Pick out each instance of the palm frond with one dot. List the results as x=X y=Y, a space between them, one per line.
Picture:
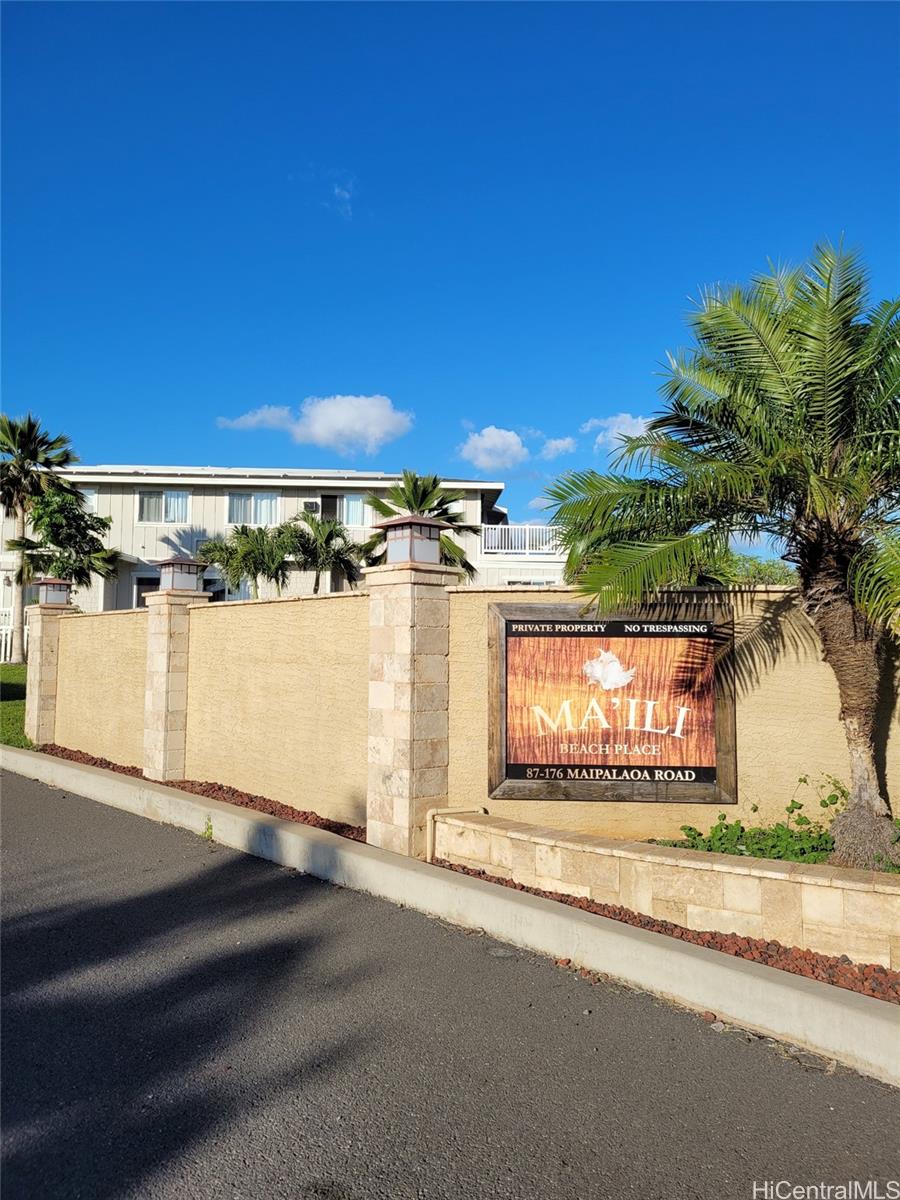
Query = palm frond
x=629 y=572
x=876 y=581
x=422 y=495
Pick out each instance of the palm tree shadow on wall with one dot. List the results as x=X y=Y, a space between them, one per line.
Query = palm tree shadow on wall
x=184 y=542
x=769 y=631
x=121 y=1020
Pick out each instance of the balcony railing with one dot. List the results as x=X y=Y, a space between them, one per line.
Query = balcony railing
x=499 y=541
x=520 y=541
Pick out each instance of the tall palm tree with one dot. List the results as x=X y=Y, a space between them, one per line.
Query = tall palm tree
x=783 y=422
x=319 y=544
x=425 y=496
x=31 y=461
x=252 y=553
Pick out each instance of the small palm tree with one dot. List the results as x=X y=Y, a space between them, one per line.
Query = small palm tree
x=783 y=422
x=222 y=552
x=252 y=553
x=318 y=544
x=425 y=496
x=29 y=468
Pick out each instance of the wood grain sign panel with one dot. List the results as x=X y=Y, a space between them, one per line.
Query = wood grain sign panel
x=621 y=709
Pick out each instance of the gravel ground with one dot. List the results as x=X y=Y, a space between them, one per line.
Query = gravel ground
x=183 y=1021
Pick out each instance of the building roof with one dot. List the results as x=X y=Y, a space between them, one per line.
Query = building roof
x=264 y=475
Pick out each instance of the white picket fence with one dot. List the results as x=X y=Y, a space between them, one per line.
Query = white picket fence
x=6 y=642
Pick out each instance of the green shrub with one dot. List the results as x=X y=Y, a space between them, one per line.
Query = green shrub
x=796 y=839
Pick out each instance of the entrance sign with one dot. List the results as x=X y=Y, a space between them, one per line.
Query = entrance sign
x=625 y=708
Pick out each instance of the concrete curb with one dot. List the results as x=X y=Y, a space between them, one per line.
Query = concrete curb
x=856 y=1030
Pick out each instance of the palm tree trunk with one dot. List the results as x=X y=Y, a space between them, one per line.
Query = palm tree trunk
x=316 y=583
x=254 y=587
x=864 y=834
x=17 y=650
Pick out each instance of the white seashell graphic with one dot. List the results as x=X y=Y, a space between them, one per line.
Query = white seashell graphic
x=606 y=670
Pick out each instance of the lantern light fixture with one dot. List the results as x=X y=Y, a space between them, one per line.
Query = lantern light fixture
x=411 y=538
x=181 y=575
x=54 y=591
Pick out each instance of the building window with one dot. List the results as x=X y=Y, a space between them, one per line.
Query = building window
x=349 y=510
x=220 y=591
x=163 y=508
x=252 y=508
x=89 y=495
x=352 y=510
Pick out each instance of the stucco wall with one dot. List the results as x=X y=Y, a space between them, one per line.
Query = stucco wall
x=101 y=683
x=787 y=721
x=278 y=700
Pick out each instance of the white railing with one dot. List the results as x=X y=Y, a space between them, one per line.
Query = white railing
x=520 y=541
x=6 y=642
x=509 y=541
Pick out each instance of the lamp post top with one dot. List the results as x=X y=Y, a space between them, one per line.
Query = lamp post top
x=412 y=519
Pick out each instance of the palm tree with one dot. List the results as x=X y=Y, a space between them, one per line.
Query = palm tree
x=425 y=496
x=782 y=422
x=29 y=468
x=252 y=553
x=319 y=544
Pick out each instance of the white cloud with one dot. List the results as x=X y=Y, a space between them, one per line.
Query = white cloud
x=494 y=449
x=553 y=447
x=269 y=416
x=346 y=424
x=540 y=503
x=342 y=198
x=612 y=428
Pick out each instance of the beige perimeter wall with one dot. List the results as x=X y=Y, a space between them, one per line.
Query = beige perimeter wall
x=787 y=721
x=101 y=683
x=278 y=700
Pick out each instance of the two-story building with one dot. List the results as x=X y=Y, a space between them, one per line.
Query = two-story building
x=163 y=512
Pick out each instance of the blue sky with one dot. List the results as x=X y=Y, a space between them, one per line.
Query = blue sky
x=452 y=237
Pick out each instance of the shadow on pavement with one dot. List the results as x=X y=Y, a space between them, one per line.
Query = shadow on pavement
x=133 y=1007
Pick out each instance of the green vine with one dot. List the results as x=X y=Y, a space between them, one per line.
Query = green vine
x=795 y=839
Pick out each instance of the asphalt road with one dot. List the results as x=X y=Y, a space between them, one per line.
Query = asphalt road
x=183 y=1021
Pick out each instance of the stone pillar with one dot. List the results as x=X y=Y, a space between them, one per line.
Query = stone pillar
x=409 y=618
x=43 y=661
x=165 y=700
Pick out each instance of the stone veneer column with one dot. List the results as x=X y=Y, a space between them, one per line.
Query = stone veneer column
x=165 y=700
x=409 y=618
x=41 y=676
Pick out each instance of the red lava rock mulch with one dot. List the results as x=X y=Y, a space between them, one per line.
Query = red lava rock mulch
x=219 y=791
x=273 y=808
x=870 y=979
x=88 y=760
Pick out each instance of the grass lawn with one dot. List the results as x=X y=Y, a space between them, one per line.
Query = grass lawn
x=12 y=706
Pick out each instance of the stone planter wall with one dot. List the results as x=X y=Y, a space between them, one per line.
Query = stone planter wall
x=820 y=908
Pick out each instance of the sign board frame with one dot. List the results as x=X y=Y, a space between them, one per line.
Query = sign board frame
x=722 y=792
